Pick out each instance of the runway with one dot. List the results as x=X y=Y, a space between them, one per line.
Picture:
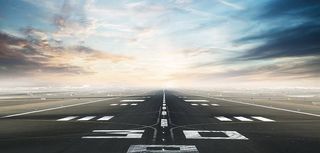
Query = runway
x=158 y=121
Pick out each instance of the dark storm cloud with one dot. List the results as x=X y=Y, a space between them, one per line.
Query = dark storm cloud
x=20 y=56
x=296 y=31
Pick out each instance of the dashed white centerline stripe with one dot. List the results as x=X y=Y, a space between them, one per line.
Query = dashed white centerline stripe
x=164 y=113
x=123 y=104
x=205 y=104
x=87 y=118
x=243 y=119
x=113 y=104
x=67 y=118
x=263 y=119
x=105 y=118
x=164 y=123
x=134 y=104
x=222 y=118
x=194 y=104
x=164 y=108
x=214 y=104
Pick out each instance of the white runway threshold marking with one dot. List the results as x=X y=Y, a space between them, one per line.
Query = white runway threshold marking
x=222 y=118
x=87 y=118
x=163 y=149
x=132 y=100
x=54 y=108
x=263 y=119
x=105 y=118
x=196 y=100
x=67 y=118
x=116 y=134
x=243 y=119
x=229 y=135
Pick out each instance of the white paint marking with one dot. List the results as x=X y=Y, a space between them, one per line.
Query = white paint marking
x=110 y=134
x=164 y=105
x=196 y=100
x=270 y=107
x=132 y=100
x=164 y=113
x=113 y=104
x=263 y=119
x=214 y=104
x=134 y=104
x=162 y=148
x=164 y=123
x=105 y=118
x=67 y=118
x=232 y=135
x=54 y=108
x=164 y=108
x=241 y=118
x=222 y=118
x=205 y=104
x=87 y=118
x=123 y=104
x=194 y=104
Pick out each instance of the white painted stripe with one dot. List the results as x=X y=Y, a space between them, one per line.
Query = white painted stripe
x=194 y=134
x=54 y=108
x=194 y=104
x=270 y=107
x=196 y=100
x=126 y=134
x=134 y=104
x=105 y=118
x=123 y=104
x=87 y=118
x=205 y=104
x=222 y=118
x=67 y=118
x=113 y=104
x=164 y=123
x=263 y=119
x=164 y=105
x=164 y=113
x=164 y=108
x=241 y=118
x=162 y=149
x=214 y=104
x=132 y=100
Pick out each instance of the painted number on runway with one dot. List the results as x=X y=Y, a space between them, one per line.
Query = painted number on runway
x=115 y=134
x=205 y=134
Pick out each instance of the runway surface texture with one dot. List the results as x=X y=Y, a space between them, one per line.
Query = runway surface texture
x=159 y=121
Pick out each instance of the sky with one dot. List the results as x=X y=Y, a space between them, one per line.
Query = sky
x=165 y=43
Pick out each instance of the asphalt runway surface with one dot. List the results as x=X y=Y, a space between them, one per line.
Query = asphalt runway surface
x=159 y=121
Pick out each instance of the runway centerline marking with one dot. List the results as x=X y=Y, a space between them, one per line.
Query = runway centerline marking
x=269 y=107
x=54 y=108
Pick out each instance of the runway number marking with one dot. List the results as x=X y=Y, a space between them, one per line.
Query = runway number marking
x=164 y=123
x=205 y=134
x=116 y=134
x=163 y=148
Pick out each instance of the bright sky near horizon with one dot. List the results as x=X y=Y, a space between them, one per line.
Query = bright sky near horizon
x=175 y=43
